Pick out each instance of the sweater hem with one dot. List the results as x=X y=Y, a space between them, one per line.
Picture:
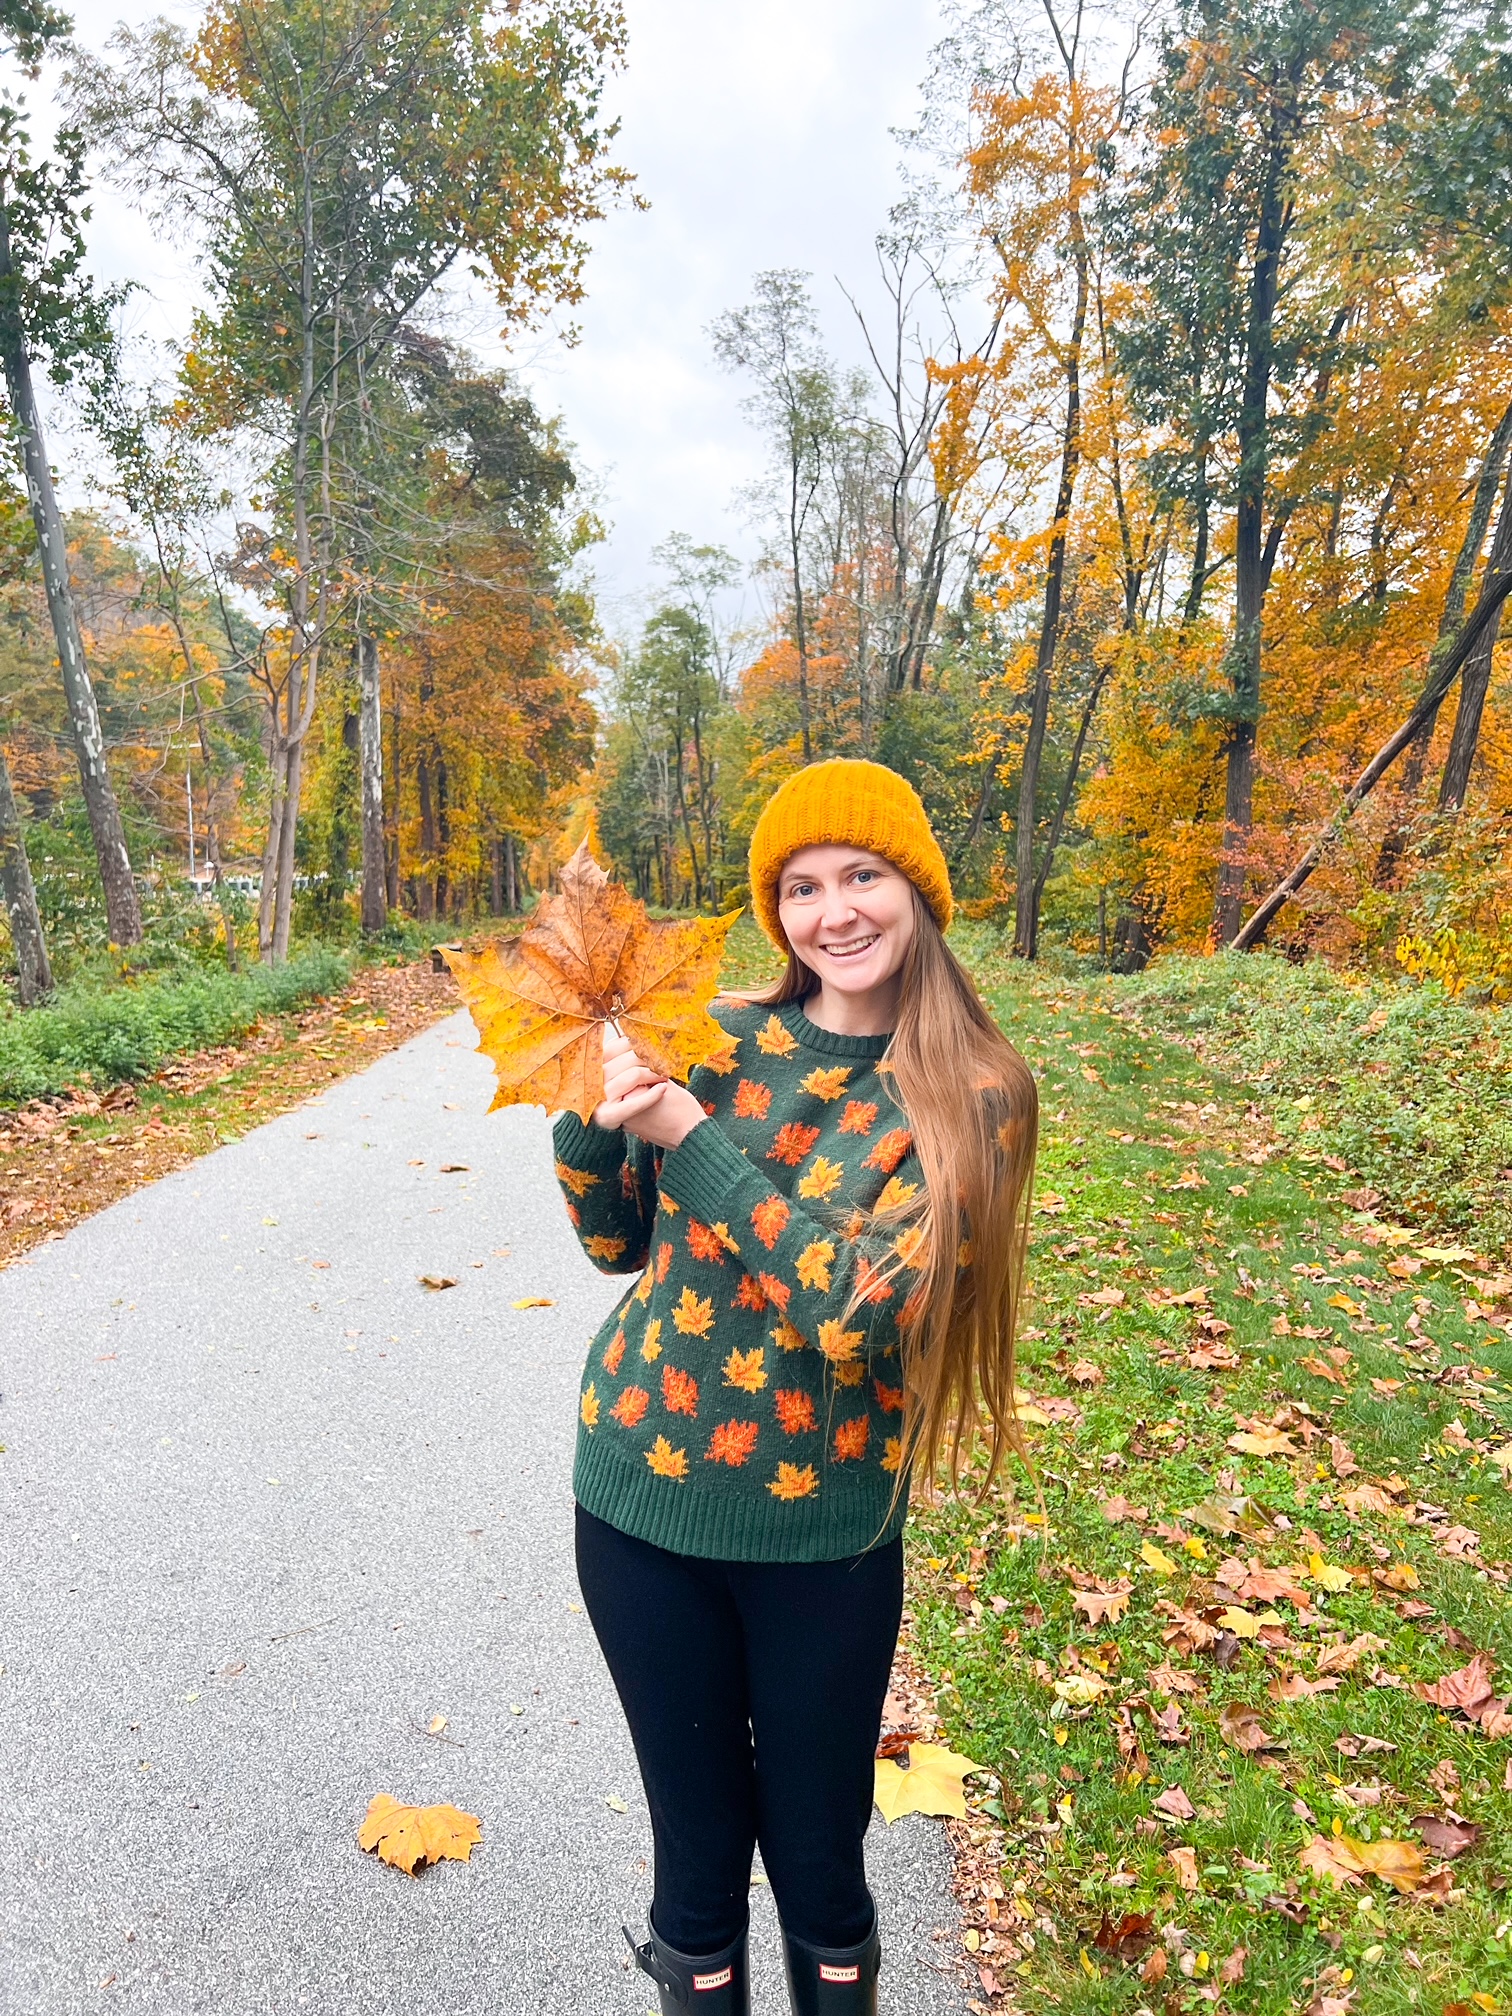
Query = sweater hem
x=744 y=1526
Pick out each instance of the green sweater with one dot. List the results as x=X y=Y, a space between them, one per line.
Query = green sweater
x=734 y=1405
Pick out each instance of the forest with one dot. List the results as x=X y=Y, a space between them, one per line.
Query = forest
x=1160 y=539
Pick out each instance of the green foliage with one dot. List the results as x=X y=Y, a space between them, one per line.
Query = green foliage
x=98 y=1037
x=1409 y=1088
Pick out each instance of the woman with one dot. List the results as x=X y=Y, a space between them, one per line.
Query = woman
x=830 y=1220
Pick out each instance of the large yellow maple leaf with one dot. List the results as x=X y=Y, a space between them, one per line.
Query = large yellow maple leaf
x=410 y=1836
x=933 y=1783
x=590 y=956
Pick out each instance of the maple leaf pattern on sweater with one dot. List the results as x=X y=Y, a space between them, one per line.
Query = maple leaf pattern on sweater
x=762 y=1278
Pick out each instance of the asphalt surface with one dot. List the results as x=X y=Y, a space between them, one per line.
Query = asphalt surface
x=268 y=1508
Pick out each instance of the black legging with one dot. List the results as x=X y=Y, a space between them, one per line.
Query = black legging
x=754 y=1696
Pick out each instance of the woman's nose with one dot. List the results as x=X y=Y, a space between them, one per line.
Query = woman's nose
x=838 y=911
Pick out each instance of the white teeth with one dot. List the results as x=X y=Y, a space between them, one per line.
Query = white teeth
x=850 y=951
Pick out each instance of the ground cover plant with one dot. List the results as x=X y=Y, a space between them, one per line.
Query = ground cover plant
x=93 y=1036
x=1231 y=1663
x=64 y=1157
x=1404 y=1085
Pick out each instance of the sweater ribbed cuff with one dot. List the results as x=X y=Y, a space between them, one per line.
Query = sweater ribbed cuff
x=705 y=1173
x=588 y=1146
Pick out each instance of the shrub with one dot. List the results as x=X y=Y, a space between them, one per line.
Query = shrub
x=100 y=1036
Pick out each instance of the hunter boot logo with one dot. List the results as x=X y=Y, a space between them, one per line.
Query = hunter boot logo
x=721 y=1979
x=827 y=1973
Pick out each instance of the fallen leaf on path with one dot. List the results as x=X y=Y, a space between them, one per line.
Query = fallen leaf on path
x=437 y=1280
x=533 y=1302
x=453 y=1168
x=408 y=1837
x=933 y=1783
x=590 y=956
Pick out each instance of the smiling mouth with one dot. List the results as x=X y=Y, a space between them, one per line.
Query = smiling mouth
x=853 y=948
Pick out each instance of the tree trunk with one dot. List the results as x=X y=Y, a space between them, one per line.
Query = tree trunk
x=122 y=910
x=1250 y=556
x=33 y=974
x=1495 y=586
x=1474 y=681
x=283 y=902
x=425 y=874
x=496 y=877
x=212 y=822
x=1027 y=890
x=374 y=881
x=391 y=841
x=269 y=884
x=1487 y=484
x=511 y=875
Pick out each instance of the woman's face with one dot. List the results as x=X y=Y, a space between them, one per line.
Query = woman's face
x=849 y=916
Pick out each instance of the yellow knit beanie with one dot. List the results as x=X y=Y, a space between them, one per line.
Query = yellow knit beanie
x=846 y=802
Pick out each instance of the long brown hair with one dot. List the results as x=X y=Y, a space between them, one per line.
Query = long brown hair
x=973 y=1109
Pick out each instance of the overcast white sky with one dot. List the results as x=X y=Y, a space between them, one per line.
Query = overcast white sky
x=759 y=131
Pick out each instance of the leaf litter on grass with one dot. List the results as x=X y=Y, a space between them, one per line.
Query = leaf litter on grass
x=1269 y=1601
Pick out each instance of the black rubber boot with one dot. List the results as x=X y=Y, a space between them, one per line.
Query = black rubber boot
x=710 y=1984
x=833 y=1980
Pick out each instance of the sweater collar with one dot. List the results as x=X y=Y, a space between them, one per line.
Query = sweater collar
x=812 y=1037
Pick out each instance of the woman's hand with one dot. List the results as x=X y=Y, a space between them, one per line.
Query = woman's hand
x=641 y=1100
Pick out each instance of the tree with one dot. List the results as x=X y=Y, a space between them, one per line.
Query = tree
x=339 y=159
x=47 y=306
x=775 y=339
x=1230 y=351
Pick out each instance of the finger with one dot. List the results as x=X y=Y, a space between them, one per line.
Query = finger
x=637 y=1103
x=629 y=1078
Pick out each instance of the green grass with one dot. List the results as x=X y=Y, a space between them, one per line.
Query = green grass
x=1161 y=1176
x=1410 y=1089
x=98 y=1036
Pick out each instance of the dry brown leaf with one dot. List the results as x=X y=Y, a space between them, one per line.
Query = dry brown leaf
x=408 y=1837
x=1100 y=1606
x=1293 y=1687
x=437 y=1280
x=1342 y=1860
x=1124 y=1938
x=1239 y=1725
x=590 y=956
x=1085 y=1373
x=1115 y=1510
x=1263 y=1442
x=1175 y=1804
x=1184 y=1862
x=1342 y=1658
x=1447 y=1837
x=1468 y=1689
x=1154 y=1969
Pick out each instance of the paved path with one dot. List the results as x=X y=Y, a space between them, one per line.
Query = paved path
x=267 y=1508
